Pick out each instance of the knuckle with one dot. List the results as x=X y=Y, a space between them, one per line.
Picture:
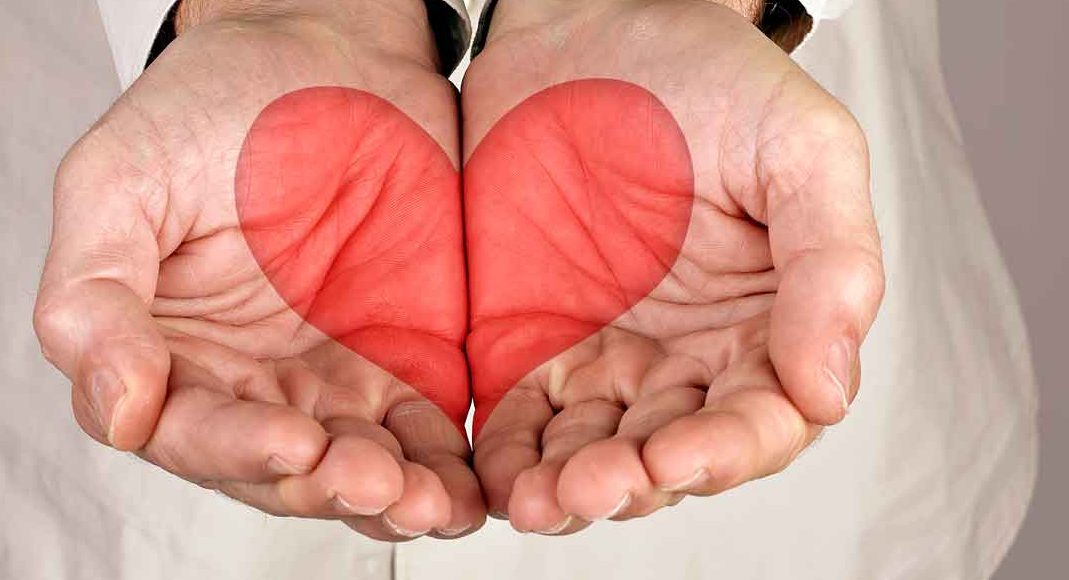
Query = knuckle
x=827 y=142
x=77 y=163
x=830 y=135
x=51 y=321
x=280 y=425
x=115 y=155
x=868 y=278
x=873 y=267
x=834 y=123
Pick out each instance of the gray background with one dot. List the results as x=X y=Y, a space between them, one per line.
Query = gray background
x=1009 y=81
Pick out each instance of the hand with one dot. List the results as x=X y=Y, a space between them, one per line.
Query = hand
x=729 y=367
x=172 y=314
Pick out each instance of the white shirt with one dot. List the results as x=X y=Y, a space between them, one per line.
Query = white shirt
x=928 y=478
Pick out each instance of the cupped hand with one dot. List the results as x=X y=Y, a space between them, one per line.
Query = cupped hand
x=652 y=351
x=273 y=166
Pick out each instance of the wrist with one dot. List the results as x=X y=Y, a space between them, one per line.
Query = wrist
x=749 y=9
x=501 y=16
x=398 y=27
x=192 y=13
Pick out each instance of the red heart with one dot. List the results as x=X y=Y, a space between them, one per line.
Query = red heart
x=576 y=204
x=353 y=213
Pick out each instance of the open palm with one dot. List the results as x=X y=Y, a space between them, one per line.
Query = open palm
x=206 y=263
x=725 y=371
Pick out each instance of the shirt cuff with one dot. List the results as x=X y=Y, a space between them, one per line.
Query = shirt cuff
x=826 y=9
x=452 y=31
x=789 y=23
x=823 y=10
x=131 y=28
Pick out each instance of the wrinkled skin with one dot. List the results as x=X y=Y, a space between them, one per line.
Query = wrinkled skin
x=150 y=284
x=723 y=373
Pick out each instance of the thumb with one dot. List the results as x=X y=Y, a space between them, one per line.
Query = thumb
x=92 y=315
x=825 y=244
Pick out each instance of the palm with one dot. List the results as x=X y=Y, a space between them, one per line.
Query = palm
x=275 y=398
x=685 y=372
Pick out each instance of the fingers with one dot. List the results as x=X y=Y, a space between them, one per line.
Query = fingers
x=428 y=438
x=424 y=504
x=351 y=396
x=362 y=480
x=224 y=419
x=824 y=241
x=203 y=435
x=92 y=314
x=748 y=429
x=277 y=436
x=533 y=505
x=510 y=442
x=355 y=477
x=393 y=481
x=607 y=479
x=358 y=475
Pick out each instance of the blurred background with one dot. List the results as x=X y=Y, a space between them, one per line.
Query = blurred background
x=1007 y=75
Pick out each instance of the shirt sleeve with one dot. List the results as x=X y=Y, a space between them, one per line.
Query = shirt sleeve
x=820 y=10
x=131 y=28
x=826 y=9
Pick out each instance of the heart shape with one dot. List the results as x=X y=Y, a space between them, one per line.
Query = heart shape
x=576 y=204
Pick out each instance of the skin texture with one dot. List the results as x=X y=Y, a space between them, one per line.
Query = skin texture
x=578 y=201
x=727 y=370
x=178 y=303
x=353 y=213
x=182 y=346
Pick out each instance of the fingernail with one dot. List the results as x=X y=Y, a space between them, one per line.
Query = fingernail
x=399 y=530
x=620 y=506
x=106 y=394
x=499 y=515
x=837 y=366
x=452 y=532
x=342 y=506
x=698 y=475
x=560 y=527
x=279 y=466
